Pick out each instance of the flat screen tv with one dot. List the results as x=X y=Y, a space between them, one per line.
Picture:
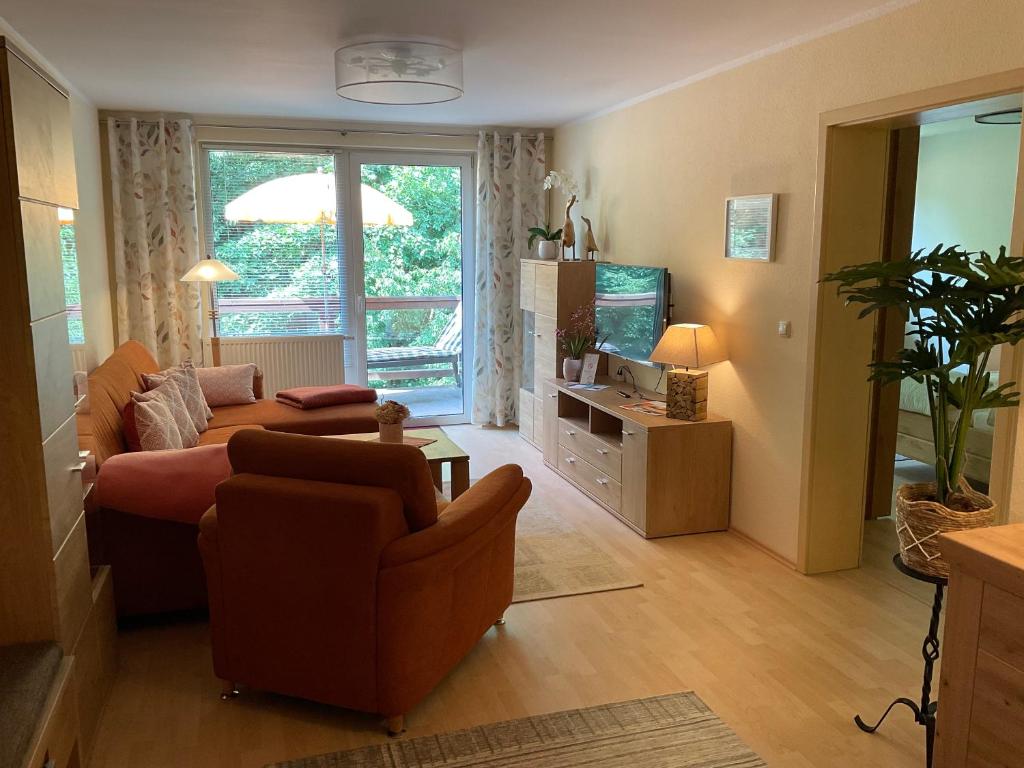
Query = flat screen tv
x=632 y=306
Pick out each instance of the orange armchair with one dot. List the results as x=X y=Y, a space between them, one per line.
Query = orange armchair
x=331 y=576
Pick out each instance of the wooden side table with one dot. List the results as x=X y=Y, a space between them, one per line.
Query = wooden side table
x=440 y=452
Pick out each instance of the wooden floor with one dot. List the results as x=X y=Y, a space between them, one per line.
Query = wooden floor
x=786 y=660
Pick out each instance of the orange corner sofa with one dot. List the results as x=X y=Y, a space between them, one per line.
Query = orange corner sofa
x=334 y=577
x=145 y=520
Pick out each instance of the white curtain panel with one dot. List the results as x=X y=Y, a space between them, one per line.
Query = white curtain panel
x=156 y=239
x=510 y=199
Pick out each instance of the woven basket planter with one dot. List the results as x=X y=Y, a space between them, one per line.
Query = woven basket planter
x=920 y=520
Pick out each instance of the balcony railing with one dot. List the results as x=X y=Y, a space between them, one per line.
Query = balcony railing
x=332 y=304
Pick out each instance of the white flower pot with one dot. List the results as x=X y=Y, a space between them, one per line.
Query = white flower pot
x=548 y=250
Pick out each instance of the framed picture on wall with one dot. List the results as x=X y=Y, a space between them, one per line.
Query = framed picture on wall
x=750 y=227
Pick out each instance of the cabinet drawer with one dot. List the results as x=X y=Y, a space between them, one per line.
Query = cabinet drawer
x=63 y=482
x=53 y=373
x=526 y=414
x=545 y=349
x=997 y=713
x=73 y=585
x=527 y=279
x=1000 y=632
x=42 y=137
x=595 y=451
x=545 y=289
x=41 y=230
x=590 y=478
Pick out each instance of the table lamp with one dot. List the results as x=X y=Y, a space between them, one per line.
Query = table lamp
x=211 y=271
x=688 y=345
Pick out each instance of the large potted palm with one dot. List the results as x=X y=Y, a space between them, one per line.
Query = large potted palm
x=959 y=306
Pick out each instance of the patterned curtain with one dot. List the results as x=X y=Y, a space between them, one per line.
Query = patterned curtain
x=509 y=200
x=156 y=236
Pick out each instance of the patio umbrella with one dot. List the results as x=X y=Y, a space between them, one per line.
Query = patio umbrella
x=310 y=198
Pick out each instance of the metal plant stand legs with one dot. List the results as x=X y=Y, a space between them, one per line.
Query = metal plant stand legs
x=924 y=713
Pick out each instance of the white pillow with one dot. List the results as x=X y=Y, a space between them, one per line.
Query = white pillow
x=228 y=384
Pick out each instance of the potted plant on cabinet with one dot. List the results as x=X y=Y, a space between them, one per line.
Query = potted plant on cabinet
x=959 y=305
x=548 y=250
x=577 y=339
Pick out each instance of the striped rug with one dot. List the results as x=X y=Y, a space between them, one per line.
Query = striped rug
x=674 y=731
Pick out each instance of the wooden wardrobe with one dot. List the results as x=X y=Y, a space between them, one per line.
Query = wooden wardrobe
x=48 y=593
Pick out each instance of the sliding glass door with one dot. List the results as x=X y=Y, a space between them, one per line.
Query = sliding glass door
x=411 y=268
x=376 y=247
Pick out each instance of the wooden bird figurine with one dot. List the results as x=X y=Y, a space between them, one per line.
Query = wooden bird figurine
x=589 y=242
x=568 y=230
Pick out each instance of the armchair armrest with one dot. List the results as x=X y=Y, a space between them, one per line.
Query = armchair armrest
x=165 y=485
x=504 y=490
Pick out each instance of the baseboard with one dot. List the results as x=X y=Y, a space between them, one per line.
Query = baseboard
x=758 y=545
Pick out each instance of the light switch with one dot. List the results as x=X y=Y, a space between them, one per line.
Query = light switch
x=784 y=329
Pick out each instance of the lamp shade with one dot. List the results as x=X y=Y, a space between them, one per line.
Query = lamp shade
x=209 y=270
x=690 y=345
x=398 y=72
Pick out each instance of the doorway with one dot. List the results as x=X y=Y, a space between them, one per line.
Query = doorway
x=412 y=273
x=858 y=194
x=954 y=183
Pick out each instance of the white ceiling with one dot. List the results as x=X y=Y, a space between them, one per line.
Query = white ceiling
x=527 y=62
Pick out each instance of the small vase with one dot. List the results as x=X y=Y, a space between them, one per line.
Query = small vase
x=391 y=433
x=548 y=250
x=571 y=369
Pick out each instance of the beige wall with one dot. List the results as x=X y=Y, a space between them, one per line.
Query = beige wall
x=90 y=232
x=656 y=175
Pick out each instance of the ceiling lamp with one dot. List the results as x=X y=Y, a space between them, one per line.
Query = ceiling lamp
x=1004 y=117
x=402 y=72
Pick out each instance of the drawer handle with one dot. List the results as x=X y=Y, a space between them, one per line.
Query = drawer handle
x=538 y=335
x=570 y=461
x=602 y=451
x=627 y=433
x=555 y=395
x=602 y=481
x=79 y=467
x=570 y=433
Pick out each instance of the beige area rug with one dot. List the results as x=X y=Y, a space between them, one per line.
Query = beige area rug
x=556 y=559
x=674 y=731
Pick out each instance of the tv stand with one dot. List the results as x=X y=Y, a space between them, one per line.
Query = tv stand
x=659 y=476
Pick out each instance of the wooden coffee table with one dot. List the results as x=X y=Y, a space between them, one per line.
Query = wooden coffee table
x=443 y=451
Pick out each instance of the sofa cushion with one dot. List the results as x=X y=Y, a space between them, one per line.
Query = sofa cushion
x=228 y=384
x=110 y=388
x=170 y=395
x=187 y=380
x=150 y=426
x=333 y=420
x=165 y=485
x=221 y=435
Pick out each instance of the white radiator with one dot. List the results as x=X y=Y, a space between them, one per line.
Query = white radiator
x=287 y=361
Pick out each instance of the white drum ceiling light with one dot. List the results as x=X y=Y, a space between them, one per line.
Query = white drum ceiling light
x=398 y=72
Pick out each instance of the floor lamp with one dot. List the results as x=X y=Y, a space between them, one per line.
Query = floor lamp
x=211 y=271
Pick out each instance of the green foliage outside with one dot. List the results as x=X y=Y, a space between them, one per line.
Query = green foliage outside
x=286 y=260
x=72 y=291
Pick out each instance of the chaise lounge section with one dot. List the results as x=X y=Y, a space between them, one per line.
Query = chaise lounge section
x=146 y=518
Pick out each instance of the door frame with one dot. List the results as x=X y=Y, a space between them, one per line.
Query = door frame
x=852 y=188
x=354 y=254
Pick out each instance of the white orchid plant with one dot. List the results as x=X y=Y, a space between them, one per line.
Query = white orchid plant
x=563 y=180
